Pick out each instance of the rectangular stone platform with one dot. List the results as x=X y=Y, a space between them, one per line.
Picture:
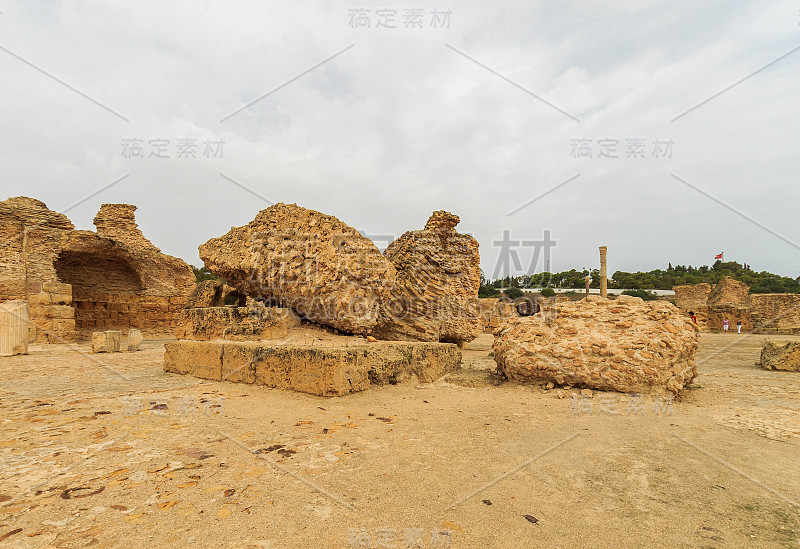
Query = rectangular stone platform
x=317 y=370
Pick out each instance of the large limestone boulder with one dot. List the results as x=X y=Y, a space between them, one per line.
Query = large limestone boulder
x=777 y=355
x=290 y=256
x=625 y=345
x=435 y=297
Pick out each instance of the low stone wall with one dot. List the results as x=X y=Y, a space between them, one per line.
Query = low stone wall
x=776 y=313
x=764 y=313
x=323 y=371
x=52 y=313
x=103 y=311
x=236 y=323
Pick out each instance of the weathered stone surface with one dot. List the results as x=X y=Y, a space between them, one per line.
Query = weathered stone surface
x=207 y=293
x=692 y=297
x=395 y=362
x=236 y=323
x=303 y=259
x=625 y=345
x=784 y=356
x=775 y=313
x=494 y=312
x=106 y=342
x=317 y=370
x=112 y=278
x=435 y=296
x=134 y=339
x=14 y=327
x=729 y=292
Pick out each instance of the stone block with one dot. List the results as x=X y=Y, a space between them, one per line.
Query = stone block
x=57 y=288
x=14 y=331
x=239 y=362
x=236 y=323
x=61 y=299
x=60 y=311
x=201 y=359
x=106 y=342
x=134 y=339
x=39 y=299
x=324 y=371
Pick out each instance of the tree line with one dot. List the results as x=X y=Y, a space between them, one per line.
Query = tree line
x=760 y=282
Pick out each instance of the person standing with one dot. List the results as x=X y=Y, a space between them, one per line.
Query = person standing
x=725 y=324
x=739 y=325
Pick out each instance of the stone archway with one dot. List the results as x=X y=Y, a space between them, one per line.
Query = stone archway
x=104 y=289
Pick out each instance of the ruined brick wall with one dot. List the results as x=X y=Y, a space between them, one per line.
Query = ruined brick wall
x=729 y=292
x=765 y=313
x=79 y=281
x=776 y=313
x=29 y=237
x=692 y=297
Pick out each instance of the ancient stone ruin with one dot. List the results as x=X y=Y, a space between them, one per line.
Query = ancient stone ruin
x=291 y=263
x=785 y=356
x=313 y=263
x=423 y=288
x=434 y=297
x=333 y=370
x=78 y=282
x=625 y=345
x=731 y=299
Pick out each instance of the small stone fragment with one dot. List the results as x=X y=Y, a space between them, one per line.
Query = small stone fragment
x=134 y=339
x=106 y=342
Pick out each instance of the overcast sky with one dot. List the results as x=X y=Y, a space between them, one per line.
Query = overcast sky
x=613 y=107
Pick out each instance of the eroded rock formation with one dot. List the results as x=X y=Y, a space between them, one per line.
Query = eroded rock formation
x=290 y=256
x=78 y=282
x=776 y=355
x=435 y=296
x=625 y=345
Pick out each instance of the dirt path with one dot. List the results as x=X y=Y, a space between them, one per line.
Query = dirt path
x=107 y=450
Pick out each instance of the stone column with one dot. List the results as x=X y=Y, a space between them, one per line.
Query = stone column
x=603 y=273
x=14 y=321
x=588 y=281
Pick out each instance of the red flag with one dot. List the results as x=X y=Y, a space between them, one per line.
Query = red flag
x=718 y=256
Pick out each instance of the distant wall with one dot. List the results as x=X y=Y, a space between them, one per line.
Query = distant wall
x=763 y=313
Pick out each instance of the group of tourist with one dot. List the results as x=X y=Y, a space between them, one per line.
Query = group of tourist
x=725 y=323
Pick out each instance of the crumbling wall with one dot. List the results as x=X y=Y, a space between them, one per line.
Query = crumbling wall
x=692 y=297
x=764 y=313
x=80 y=281
x=776 y=313
x=729 y=292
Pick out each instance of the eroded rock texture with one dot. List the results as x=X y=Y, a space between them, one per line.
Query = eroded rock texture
x=290 y=256
x=776 y=355
x=625 y=345
x=435 y=296
x=78 y=282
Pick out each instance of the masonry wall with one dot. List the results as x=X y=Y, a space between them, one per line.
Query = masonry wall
x=77 y=282
x=776 y=313
x=764 y=313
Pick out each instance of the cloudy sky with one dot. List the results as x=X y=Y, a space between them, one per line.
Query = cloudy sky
x=666 y=131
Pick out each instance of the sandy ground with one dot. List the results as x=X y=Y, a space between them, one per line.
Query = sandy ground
x=108 y=450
